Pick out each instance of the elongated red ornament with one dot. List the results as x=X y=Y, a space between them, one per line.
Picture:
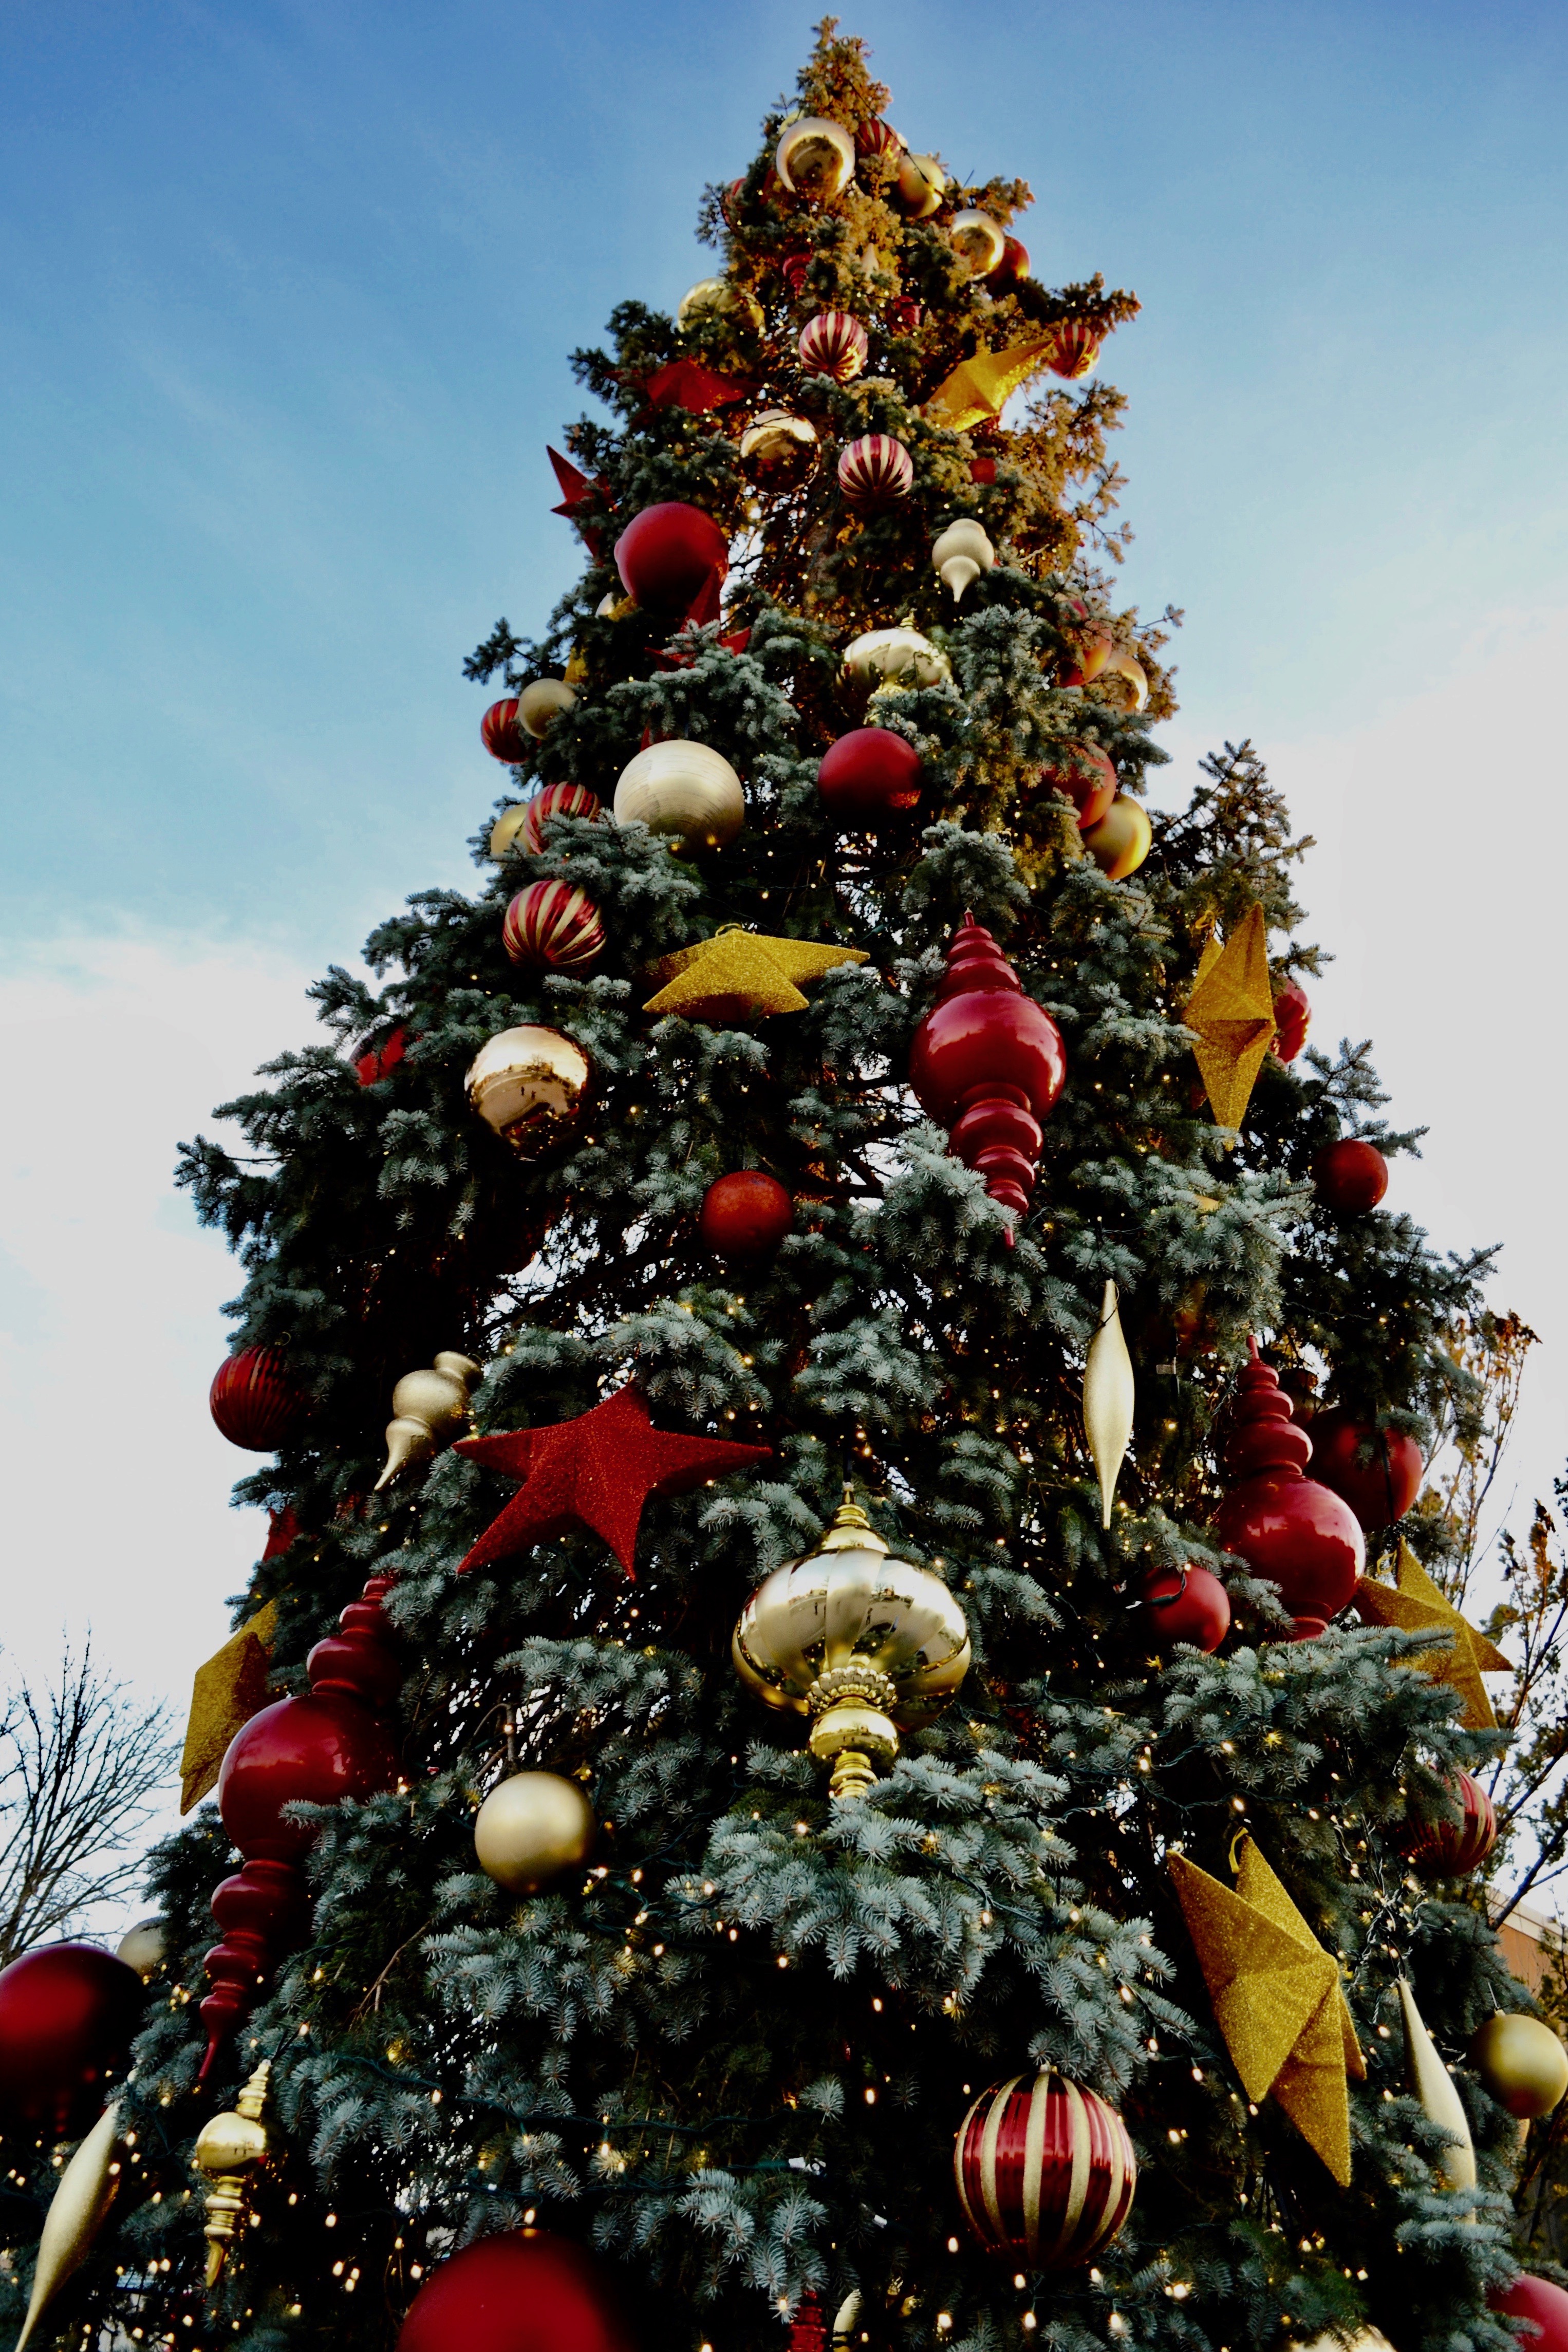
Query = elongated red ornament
x=1046 y=2171
x=1289 y=1530
x=554 y=927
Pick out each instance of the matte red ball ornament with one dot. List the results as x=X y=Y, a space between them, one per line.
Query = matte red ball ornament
x=1046 y=2171
x=1290 y=1530
x=746 y=1214
x=555 y=800
x=253 y=1401
x=1461 y=1840
x=1292 y=1019
x=875 y=471
x=524 y=2291
x=1378 y=1471
x=503 y=731
x=1351 y=1176
x=1540 y=2300
x=66 y=2015
x=1086 y=776
x=672 y=559
x=833 y=343
x=1186 y=1604
x=320 y=1749
x=868 y=775
x=554 y=927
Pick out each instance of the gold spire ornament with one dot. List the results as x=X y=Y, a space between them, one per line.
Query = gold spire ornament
x=980 y=388
x=1232 y=1010
x=737 y=974
x=428 y=1409
x=960 y=554
x=1417 y=1606
x=229 y=2148
x=1432 y=2084
x=1276 y=2000
x=78 y=2211
x=228 y=1691
x=1108 y=1399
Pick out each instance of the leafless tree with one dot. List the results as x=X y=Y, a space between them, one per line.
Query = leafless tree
x=79 y=1763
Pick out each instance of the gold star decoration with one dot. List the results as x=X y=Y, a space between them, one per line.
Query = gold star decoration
x=1417 y=1606
x=1232 y=1009
x=980 y=388
x=228 y=1691
x=737 y=974
x=1276 y=2000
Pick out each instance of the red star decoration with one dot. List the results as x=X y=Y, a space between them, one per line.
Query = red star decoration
x=595 y=1471
x=687 y=383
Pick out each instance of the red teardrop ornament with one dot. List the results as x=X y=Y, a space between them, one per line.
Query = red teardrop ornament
x=1291 y=1531
x=989 y=1063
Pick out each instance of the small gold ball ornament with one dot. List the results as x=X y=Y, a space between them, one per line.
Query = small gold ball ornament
x=540 y=701
x=779 y=449
x=919 y=185
x=718 y=298
x=979 y=239
x=531 y=1828
x=686 y=790
x=816 y=159
x=893 y=658
x=528 y=1084
x=506 y=828
x=1521 y=2063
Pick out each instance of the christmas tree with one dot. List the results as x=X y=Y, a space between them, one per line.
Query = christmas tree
x=839 y=1129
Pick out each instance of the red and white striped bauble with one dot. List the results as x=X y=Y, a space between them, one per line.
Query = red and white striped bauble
x=833 y=343
x=253 y=1401
x=1044 y=2170
x=503 y=733
x=554 y=927
x=1077 y=348
x=1450 y=1848
x=875 y=471
x=878 y=138
x=555 y=800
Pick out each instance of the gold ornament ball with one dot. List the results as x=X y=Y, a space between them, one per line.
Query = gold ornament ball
x=893 y=658
x=979 y=239
x=685 y=790
x=717 y=298
x=1521 y=2063
x=921 y=186
x=778 y=449
x=816 y=159
x=541 y=702
x=143 y=1947
x=528 y=1084
x=506 y=828
x=1120 y=842
x=532 y=1827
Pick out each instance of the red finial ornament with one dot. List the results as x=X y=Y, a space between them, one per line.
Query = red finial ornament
x=989 y=1063
x=1291 y=1531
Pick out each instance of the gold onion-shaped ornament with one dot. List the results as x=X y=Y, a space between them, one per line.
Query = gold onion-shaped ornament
x=718 y=298
x=230 y=2148
x=428 y=1408
x=78 y=2211
x=1109 y=1396
x=892 y=657
x=1432 y=2085
x=961 y=554
x=864 y=1642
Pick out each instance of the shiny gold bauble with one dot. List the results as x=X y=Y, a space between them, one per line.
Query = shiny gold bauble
x=532 y=1827
x=981 y=240
x=528 y=1084
x=718 y=298
x=143 y=1947
x=544 y=700
x=868 y=1644
x=686 y=790
x=919 y=185
x=1521 y=2063
x=506 y=828
x=428 y=1408
x=816 y=159
x=230 y=2143
x=1120 y=842
x=893 y=658
x=778 y=449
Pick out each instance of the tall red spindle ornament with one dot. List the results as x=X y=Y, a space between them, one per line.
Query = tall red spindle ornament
x=1288 y=1529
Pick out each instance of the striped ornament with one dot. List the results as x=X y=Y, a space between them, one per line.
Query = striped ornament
x=554 y=927
x=555 y=800
x=833 y=343
x=875 y=471
x=1077 y=348
x=1044 y=2170
x=503 y=733
x=1452 y=1849
x=878 y=138
x=253 y=1401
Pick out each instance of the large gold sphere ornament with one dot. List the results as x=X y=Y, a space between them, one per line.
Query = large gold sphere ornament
x=718 y=298
x=528 y=1084
x=143 y=1947
x=816 y=159
x=544 y=700
x=893 y=658
x=686 y=790
x=919 y=185
x=779 y=449
x=866 y=1643
x=507 y=827
x=1521 y=2063
x=981 y=240
x=532 y=1827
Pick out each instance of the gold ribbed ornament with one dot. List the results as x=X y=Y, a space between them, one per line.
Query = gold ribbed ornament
x=1107 y=1400
x=78 y=2211
x=231 y=2149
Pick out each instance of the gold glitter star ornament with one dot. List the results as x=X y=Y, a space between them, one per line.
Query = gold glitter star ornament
x=737 y=974
x=228 y=1691
x=1415 y=1606
x=1232 y=1010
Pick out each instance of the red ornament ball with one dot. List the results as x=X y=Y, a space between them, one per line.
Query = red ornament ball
x=523 y=2292
x=868 y=775
x=745 y=1215
x=1014 y=265
x=673 y=558
x=1378 y=1471
x=503 y=731
x=1085 y=775
x=983 y=1034
x=1045 y=2172
x=1461 y=1840
x=1186 y=1604
x=1290 y=1530
x=875 y=471
x=878 y=138
x=1351 y=1176
x=1540 y=2300
x=554 y=927
x=66 y=2015
x=318 y=1748
x=253 y=1401
x=833 y=343
x=1292 y=1019
x=381 y=1060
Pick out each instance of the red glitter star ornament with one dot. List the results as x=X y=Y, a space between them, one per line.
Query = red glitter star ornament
x=595 y=1471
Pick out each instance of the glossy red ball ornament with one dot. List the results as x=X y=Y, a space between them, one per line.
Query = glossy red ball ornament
x=1378 y=1471
x=833 y=343
x=524 y=2291
x=1014 y=265
x=1292 y=1019
x=318 y=1748
x=1291 y=1531
x=253 y=1401
x=66 y=2015
x=1460 y=1841
x=875 y=471
x=673 y=558
x=1186 y=1604
x=1085 y=775
x=502 y=732
x=1044 y=2170
x=1351 y=1176
x=988 y=1063
x=745 y=1215
x=868 y=775
x=554 y=927
x=1536 y=2299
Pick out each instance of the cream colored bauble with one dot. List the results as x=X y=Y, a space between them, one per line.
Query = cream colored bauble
x=816 y=159
x=919 y=186
x=506 y=828
x=540 y=701
x=1521 y=2063
x=142 y=1947
x=688 y=791
x=962 y=553
x=718 y=298
x=532 y=1827
x=893 y=658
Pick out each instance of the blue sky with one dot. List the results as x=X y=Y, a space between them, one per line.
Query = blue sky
x=286 y=296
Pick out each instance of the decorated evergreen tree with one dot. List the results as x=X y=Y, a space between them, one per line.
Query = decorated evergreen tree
x=839 y=1129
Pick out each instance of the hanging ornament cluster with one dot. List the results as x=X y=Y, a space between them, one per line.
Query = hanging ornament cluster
x=428 y=1409
x=816 y=159
x=687 y=791
x=1430 y=2082
x=1377 y=1471
x=835 y=344
x=532 y=1828
x=523 y=2291
x=1108 y=1395
x=867 y=775
x=1462 y=1836
x=231 y=2149
x=673 y=560
x=528 y=1084
x=1045 y=2171
x=738 y=976
x=67 y=2012
x=1291 y=1531
x=892 y=657
x=961 y=554
x=864 y=1642
x=554 y=927
x=255 y=1400
x=229 y=1689
x=1231 y=1008
x=779 y=449
x=1351 y=1176
x=988 y=1063
x=1415 y=1605
x=523 y=825
x=745 y=1216
x=875 y=471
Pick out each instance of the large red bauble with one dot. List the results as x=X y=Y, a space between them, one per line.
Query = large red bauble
x=672 y=557
x=1538 y=2299
x=745 y=1215
x=1454 y=1846
x=1085 y=775
x=66 y=2015
x=253 y=1401
x=868 y=775
x=1290 y=1530
x=1186 y=1604
x=524 y=2292
x=1378 y=1471
x=1044 y=2170
x=318 y=1748
x=1351 y=1176
x=1292 y=1019
x=502 y=732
